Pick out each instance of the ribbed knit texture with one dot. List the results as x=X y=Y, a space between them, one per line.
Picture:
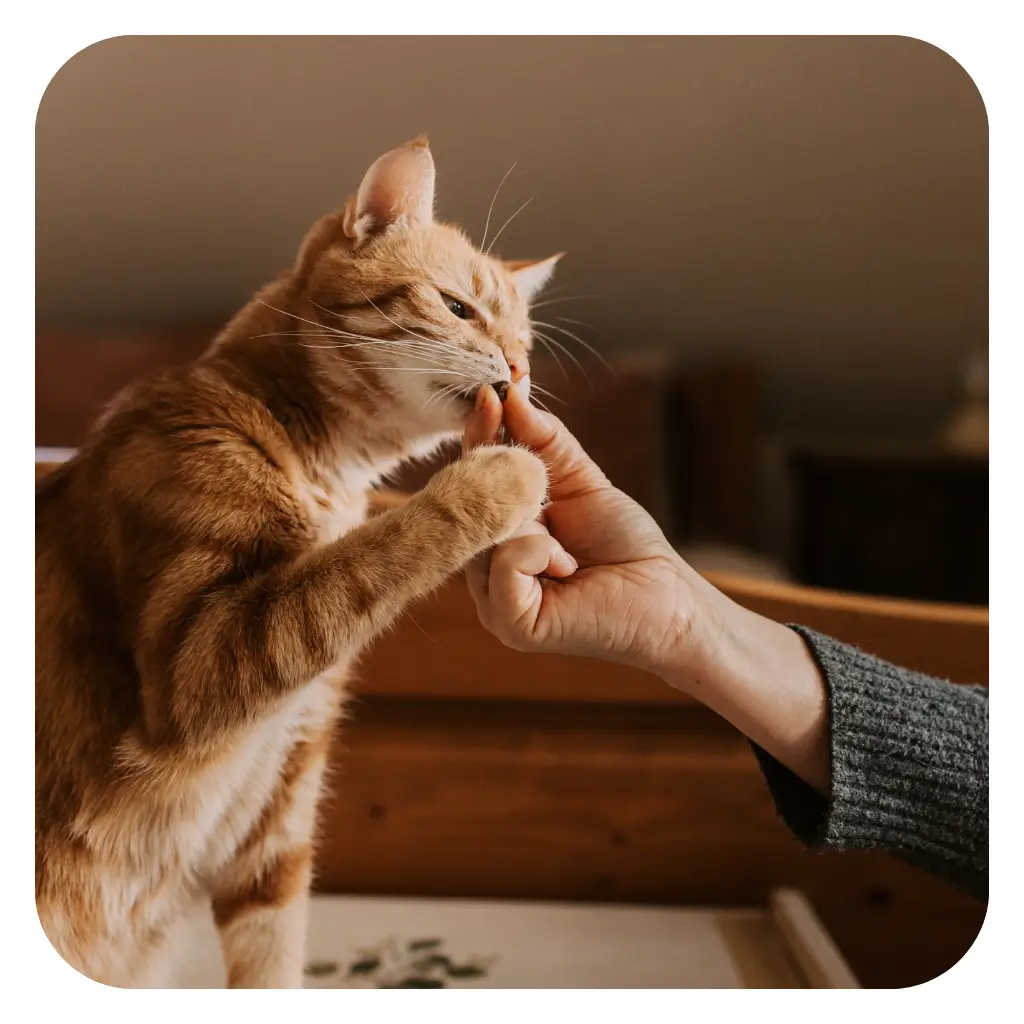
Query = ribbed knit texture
x=909 y=773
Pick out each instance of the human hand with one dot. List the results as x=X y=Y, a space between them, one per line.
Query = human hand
x=594 y=576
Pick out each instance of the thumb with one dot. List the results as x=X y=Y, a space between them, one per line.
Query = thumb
x=514 y=592
x=571 y=470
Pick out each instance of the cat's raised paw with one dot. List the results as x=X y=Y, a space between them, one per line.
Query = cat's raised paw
x=501 y=487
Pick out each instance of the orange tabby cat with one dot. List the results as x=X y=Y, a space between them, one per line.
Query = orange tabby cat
x=206 y=575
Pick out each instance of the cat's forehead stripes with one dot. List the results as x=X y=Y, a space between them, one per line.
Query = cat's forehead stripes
x=490 y=291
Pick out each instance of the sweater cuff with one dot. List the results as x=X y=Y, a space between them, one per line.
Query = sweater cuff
x=909 y=765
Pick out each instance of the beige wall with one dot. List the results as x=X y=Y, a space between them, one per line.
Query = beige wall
x=816 y=204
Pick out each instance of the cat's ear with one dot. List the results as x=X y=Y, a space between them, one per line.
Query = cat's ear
x=531 y=276
x=398 y=189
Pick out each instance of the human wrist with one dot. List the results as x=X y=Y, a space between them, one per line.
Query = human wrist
x=691 y=657
x=678 y=627
x=760 y=676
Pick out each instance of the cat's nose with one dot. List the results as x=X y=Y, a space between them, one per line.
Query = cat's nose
x=519 y=367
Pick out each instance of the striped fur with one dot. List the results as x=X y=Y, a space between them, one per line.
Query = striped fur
x=207 y=575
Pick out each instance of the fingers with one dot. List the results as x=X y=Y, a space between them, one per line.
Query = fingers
x=484 y=422
x=560 y=563
x=513 y=590
x=570 y=470
x=531 y=551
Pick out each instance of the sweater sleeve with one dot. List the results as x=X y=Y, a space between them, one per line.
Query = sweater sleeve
x=909 y=767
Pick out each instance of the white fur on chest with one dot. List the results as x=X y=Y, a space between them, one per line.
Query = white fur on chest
x=335 y=497
x=333 y=505
x=233 y=795
x=169 y=833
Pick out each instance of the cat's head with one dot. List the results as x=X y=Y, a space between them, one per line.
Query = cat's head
x=410 y=304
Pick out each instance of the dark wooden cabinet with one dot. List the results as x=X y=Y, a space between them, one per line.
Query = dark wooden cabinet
x=905 y=523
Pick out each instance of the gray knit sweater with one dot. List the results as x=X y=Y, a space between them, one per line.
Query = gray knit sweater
x=909 y=758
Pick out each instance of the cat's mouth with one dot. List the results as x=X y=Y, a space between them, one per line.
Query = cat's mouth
x=469 y=394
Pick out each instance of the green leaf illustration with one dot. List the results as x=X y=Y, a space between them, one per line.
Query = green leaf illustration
x=367 y=966
x=320 y=968
x=425 y=963
x=465 y=971
x=418 y=945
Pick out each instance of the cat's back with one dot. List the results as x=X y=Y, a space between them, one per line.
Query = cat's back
x=175 y=464
x=87 y=693
x=178 y=459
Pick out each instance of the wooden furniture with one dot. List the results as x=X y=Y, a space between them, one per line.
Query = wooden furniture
x=374 y=942
x=78 y=372
x=712 y=431
x=470 y=770
x=911 y=522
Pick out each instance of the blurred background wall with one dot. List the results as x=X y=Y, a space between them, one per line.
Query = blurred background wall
x=814 y=205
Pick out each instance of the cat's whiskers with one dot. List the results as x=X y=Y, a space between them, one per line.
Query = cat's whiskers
x=554 y=354
x=564 y=348
x=490 y=209
x=335 y=332
x=305 y=320
x=419 y=337
x=419 y=342
x=396 y=323
x=581 y=323
x=421 y=345
x=404 y=343
x=590 y=348
x=444 y=392
x=487 y=251
x=416 y=345
x=413 y=348
x=413 y=369
x=564 y=298
x=544 y=391
x=358 y=340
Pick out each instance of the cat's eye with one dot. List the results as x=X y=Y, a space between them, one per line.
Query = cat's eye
x=460 y=309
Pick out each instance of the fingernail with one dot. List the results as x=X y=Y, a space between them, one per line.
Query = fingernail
x=481 y=397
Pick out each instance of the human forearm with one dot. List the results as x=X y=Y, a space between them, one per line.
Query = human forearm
x=857 y=753
x=757 y=674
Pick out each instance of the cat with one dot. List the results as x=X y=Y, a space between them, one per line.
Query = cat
x=207 y=573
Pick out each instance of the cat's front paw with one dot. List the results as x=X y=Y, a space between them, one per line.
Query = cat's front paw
x=496 y=487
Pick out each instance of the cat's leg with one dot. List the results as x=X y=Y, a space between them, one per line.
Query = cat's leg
x=261 y=899
x=247 y=644
x=264 y=941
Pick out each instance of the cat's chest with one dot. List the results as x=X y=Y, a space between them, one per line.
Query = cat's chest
x=333 y=503
x=235 y=796
x=171 y=832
